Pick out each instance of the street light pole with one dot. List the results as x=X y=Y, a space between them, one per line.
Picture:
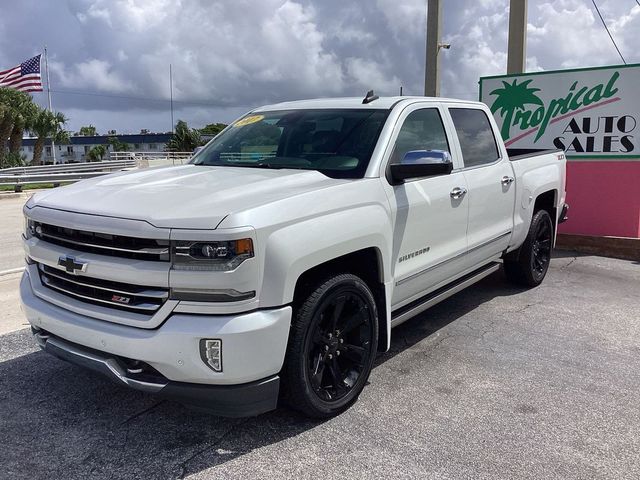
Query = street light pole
x=432 y=67
x=517 y=49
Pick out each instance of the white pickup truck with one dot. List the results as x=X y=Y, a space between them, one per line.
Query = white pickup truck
x=276 y=263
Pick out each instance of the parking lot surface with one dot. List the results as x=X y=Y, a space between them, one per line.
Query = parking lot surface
x=496 y=382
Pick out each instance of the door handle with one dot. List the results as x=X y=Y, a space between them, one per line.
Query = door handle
x=458 y=192
x=506 y=180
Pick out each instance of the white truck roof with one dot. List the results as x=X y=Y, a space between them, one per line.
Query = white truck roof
x=381 y=103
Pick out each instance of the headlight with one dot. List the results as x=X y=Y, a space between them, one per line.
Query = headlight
x=216 y=256
x=29 y=227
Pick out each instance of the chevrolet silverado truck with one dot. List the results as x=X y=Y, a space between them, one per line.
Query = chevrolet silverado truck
x=275 y=264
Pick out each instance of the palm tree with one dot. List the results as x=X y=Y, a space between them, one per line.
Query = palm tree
x=16 y=109
x=88 y=131
x=45 y=125
x=514 y=96
x=25 y=114
x=185 y=139
x=117 y=145
x=96 y=153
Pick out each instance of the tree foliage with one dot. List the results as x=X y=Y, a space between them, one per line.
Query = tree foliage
x=184 y=139
x=97 y=153
x=17 y=112
x=47 y=124
x=117 y=145
x=213 y=128
x=88 y=131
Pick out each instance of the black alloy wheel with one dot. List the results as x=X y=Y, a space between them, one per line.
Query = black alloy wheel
x=332 y=347
x=529 y=264
x=541 y=248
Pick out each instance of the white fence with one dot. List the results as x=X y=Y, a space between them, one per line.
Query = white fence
x=153 y=159
x=17 y=177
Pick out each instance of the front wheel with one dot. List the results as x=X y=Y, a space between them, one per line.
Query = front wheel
x=533 y=258
x=332 y=346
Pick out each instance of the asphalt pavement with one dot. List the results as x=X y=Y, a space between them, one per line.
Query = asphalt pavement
x=494 y=383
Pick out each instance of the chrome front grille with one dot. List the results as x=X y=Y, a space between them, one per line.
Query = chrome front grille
x=103 y=243
x=124 y=296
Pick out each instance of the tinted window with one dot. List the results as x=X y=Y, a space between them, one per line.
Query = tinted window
x=338 y=143
x=476 y=136
x=421 y=130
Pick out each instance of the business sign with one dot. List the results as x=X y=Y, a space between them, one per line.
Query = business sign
x=588 y=113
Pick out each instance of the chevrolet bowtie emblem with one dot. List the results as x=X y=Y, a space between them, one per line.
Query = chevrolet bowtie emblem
x=71 y=265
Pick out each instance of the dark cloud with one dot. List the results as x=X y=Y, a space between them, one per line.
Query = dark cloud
x=110 y=59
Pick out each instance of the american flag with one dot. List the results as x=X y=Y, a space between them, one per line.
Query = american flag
x=25 y=77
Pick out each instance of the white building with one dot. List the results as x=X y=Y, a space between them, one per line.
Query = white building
x=77 y=150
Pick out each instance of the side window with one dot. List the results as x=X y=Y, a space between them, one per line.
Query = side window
x=421 y=130
x=475 y=135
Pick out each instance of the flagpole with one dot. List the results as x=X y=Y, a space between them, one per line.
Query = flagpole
x=46 y=66
x=171 y=94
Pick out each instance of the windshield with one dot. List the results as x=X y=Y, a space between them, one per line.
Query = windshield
x=337 y=143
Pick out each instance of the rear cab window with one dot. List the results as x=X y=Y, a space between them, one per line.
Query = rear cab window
x=476 y=137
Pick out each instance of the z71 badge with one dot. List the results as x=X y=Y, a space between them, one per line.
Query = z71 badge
x=120 y=299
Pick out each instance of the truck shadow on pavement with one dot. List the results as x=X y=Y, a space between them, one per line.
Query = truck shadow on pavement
x=59 y=421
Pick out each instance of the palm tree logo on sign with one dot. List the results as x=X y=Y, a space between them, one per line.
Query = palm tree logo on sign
x=511 y=98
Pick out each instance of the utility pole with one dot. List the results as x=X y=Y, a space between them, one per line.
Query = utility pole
x=432 y=68
x=46 y=66
x=171 y=94
x=517 y=49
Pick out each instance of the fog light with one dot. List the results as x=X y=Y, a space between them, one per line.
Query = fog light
x=211 y=353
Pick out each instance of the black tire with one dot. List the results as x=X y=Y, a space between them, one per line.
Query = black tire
x=531 y=262
x=332 y=347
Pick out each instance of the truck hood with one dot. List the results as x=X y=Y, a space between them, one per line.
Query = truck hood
x=188 y=196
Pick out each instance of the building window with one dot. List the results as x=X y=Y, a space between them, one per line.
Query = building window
x=59 y=147
x=70 y=149
x=153 y=146
x=86 y=149
x=48 y=151
x=136 y=146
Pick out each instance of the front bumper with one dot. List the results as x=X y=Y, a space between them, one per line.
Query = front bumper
x=253 y=350
x=243 y=400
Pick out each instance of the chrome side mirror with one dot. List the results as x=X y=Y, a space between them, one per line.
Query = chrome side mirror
x=421 y=163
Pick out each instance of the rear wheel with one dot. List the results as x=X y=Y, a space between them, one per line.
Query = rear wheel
x=332 y=346
x=532 y=261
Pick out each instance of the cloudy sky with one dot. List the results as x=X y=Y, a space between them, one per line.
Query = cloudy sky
x=109 y=59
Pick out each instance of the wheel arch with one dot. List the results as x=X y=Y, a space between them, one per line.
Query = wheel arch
x=366 y=263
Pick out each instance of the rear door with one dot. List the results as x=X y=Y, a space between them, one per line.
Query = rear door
x=491 y=187
x=430 y=225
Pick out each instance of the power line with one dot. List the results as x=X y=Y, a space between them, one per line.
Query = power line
x=607 y=29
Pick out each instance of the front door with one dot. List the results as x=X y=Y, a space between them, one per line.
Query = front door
x=430 y=222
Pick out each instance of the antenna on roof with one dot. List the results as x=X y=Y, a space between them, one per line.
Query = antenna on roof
x=370 y=97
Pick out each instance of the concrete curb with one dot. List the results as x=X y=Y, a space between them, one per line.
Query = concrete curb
x=615 y=247
x=26 y=194
x=11 y=271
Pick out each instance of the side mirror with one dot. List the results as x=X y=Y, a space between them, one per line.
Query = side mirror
x=421 y=163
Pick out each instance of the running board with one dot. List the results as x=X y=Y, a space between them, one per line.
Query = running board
x=418 y=306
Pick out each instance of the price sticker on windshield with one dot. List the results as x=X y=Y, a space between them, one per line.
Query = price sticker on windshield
x=248 y=120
